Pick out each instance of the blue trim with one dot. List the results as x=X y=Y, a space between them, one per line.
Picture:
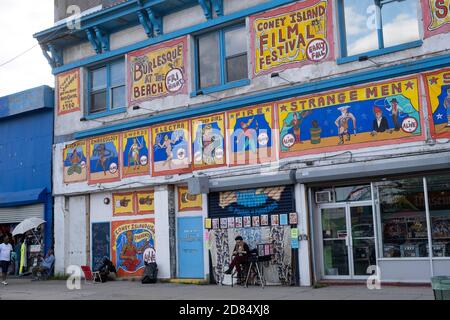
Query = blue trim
x=380 y=52
x=182 y=32
x=226 y=86
x=341 y=28
x=262 y=97
x=105 y=114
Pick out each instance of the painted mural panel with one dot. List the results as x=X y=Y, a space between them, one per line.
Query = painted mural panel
x=100 y=243
x=436 y=17
x=187 y=201
x=104 y=159
x=74 y=162
x=373 y=114
x=171 y=148
x=145 y=201
x=135 y=153
x=208 y=141
x=157 y=71
x=129 y=239
x=292 y=36
x=438 y=94
x=251 y=135
x=68 y=91
x=123 y=204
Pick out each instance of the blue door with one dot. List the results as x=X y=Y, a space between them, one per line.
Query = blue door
x=190 y=248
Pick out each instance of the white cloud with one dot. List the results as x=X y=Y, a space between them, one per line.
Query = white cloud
x=402 y=29
x=19 y=20
x=357 y=24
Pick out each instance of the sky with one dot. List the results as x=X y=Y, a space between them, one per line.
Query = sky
x=19 y=20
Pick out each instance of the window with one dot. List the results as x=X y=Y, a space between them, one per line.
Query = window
x=439 y=206
x=107 y=88
x=222 y=58
x=368 y=25
x=403 y=223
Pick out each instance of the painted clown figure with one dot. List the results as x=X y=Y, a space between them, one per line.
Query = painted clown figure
x=342 y=123
x=447 y=107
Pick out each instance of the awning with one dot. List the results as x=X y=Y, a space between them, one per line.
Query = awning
x=20 y=198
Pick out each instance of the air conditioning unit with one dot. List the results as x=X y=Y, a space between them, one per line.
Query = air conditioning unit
x=323 y=197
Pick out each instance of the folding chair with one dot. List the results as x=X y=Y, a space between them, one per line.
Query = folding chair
x=44 y=275
x=90 y=275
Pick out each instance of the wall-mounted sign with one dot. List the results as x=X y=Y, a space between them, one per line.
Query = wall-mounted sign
x=74 y=162
x=372 y=114
x=171 y=148
x=129 y=239
x=123 y=204
x=438 y=94
x=187 y=201
x=68 y=91
x=157 y=71
x=208 y=141
x=291 y=36
x=104 y=159
x=251 y=139
x=135 y=153
x=436 y=17
x=145 y=201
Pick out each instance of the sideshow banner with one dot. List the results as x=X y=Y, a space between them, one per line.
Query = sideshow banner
x=171 y=148
x=250 y=132
x=366 y=115
x=208 y=141
x=292 y=36
x=157 y=71
x=135 y=153
x=104 y=159
x=100 y=244
x=436 y=17
x=123 y=204
x=145 y=201
x=68 y=91
x=129 y=239
x=438 y=94
x=277 y=271
x=187 y=201
x=74 y=162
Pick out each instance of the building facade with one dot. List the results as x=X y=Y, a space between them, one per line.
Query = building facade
x=26 y=141
x=318 y=130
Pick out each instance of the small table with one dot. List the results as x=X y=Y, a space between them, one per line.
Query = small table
x=254 y=263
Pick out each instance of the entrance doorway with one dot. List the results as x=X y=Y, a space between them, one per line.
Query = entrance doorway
x=348 y=239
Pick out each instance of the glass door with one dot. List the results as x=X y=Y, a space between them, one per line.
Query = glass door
x=348 y=240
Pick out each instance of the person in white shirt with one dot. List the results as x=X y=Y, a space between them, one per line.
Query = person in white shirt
x=149 y=255
x=5 y=258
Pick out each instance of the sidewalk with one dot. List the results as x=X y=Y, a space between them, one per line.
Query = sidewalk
x=118 y=290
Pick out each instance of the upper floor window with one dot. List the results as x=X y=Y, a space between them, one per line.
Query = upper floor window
x=107 y=87
x=221 y=57
x=368 y=25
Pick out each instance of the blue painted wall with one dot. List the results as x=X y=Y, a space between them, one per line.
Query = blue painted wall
x=26 y=139
x=190 y=247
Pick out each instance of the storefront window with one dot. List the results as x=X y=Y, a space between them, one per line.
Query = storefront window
x=353 y=193
x=439 y=206
x=403 y=218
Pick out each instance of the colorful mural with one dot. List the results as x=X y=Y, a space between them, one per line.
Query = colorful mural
x=104 y=159
x=145 y=201
x=74 y=162
x=208 y=141
x=68 y=91
x=157 y=71
x=123 y=204
x=380 y=113
x=292 y=36
x=438 y=94
x=135 y=153
x=129 y=239
x=436 y=17
x=188 y=202
x=251 y=139
x=171 y=148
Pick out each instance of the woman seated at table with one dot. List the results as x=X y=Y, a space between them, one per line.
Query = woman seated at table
x=240 y=255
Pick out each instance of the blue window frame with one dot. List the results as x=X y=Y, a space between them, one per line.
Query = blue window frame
x=221 y=59
x=376 y=27
x=106 y=89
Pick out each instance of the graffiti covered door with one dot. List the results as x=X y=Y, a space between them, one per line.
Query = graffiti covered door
x=190 y=248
